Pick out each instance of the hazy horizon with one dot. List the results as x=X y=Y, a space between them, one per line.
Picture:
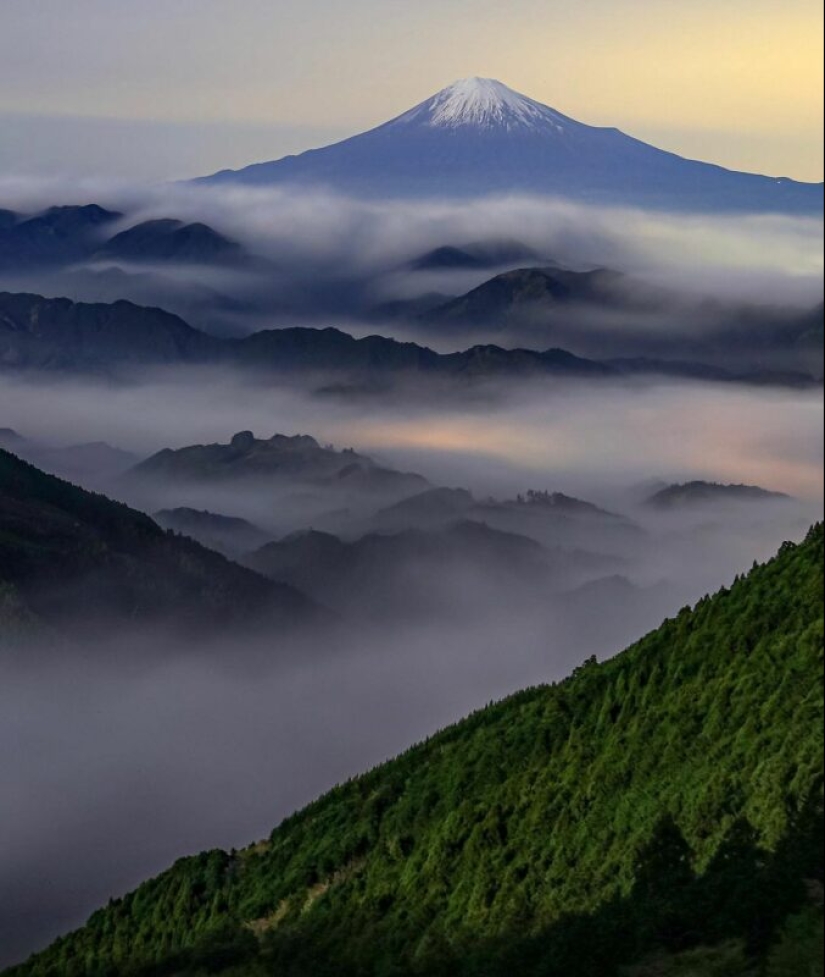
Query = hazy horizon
x=198 y=91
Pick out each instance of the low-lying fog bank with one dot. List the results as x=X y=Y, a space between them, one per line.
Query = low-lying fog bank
x=584 y=436
x=150 y=750
x=735 y=292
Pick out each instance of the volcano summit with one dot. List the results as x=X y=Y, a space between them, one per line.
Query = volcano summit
x=478 y=137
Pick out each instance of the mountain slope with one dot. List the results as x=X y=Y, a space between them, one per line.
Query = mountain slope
x=171 y=240
x=527 y=289
x=479 y=137
x=457 y=569
x=57 y=235
x=559 y=832
x=82 y=562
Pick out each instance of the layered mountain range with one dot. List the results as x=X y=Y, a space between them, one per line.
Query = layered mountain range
x=38 y=333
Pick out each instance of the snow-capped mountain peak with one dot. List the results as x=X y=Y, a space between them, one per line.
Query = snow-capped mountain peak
x=484 y=103
x=478 y=137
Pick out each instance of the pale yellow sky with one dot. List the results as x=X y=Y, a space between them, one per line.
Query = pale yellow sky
x=739 y=82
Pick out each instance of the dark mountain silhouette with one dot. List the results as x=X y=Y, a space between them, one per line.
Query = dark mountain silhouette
x=567 y=505
x=83 y=563
x=68 y=235
x=585 y=532
x=672 y=334
x=56 y=236
x=702 y=493
x=293 y=459
x=409 y=573
x=528 y=289
x=171 y=240
x=57 y=334
x=478 y=256
x=41 y=333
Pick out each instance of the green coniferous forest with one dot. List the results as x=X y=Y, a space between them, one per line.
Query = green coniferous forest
x=659 y=814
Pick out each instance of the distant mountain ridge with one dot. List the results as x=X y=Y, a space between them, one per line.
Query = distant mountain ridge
x=576 y=532
x=66 y=235
x=525 y=288
x=41 y=333
x=54 y=236
x=480 y=255
x=38 y=333
x=396 y=576
x=479 y=137
x=698 y=493
x=245 y=456
x=299 y=458
x=73 y=462
x=171 y=240
x=229 y=535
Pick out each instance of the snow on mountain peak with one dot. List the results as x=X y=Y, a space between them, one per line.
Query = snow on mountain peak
x=486 y=103
x=478 y=137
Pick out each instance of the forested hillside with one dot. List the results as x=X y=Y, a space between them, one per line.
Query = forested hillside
x=658 y=814
x=82 y=563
